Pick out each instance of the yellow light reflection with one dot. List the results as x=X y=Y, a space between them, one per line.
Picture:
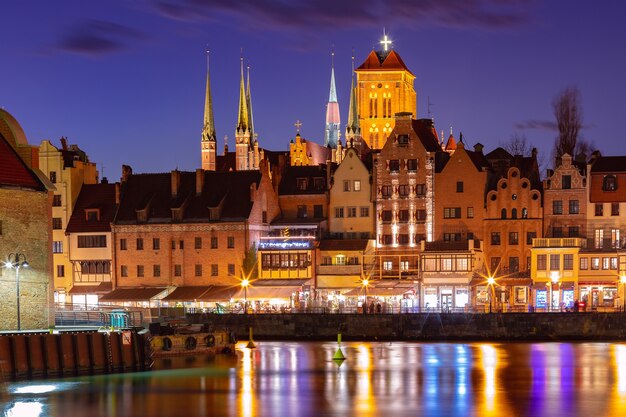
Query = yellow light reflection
x=364 y=398
x=618 y=402
x=247 y=394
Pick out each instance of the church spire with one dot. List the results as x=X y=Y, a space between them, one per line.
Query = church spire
x=208 y=129
x=352 y=129
x=242 y=118
x=331 y=134
x=208 y=142
x=249 y=105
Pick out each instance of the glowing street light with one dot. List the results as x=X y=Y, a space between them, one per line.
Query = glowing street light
x=17 y=261
x=554 y=278
x=366 y=283
x=490 y=283
x=622 y=279
x=244 y=283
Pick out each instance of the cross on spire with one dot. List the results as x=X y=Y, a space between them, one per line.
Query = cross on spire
x=298 y=125
x=385 y=42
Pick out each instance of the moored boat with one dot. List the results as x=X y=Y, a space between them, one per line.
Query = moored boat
x=182 y=342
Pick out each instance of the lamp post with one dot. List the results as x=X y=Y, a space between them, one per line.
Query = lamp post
x=623 y=281
x=244 y=283
x=366 y=282
x=490 y=283
x=554 y=279
x=17 y=261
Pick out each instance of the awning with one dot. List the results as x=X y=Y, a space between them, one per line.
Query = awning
x=337 y=282
x=377 y=291
x=218 y=293
x=132 y=294
x=101 y=288
x=186 y=293
x=266 y=293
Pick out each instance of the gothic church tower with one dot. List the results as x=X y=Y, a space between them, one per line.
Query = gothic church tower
x=208 y=141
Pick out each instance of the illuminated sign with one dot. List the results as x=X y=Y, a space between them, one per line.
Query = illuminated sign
x=284 y=245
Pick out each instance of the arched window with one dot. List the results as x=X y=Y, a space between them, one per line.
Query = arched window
x=514 y=214
x=609 y=183
x=524 y=213
x=503 y=214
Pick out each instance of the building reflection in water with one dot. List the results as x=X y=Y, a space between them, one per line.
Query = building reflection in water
x=382 y=378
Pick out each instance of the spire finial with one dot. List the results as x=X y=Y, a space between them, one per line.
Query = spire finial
x=298 y=125
x=332 y=55
x=386 y=41
x=450 y=130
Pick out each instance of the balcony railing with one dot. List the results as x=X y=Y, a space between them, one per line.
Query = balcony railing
x=566 y=242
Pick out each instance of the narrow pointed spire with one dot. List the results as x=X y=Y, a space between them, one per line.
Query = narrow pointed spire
x=331 y=134
x=242 y=118
x=208 y=129
x=353 y=114
x=249 y=104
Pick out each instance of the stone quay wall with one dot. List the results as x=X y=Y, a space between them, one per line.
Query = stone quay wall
x=424 y=326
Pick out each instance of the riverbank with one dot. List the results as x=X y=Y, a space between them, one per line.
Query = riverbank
x=424 y=326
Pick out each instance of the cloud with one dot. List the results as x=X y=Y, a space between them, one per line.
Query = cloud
x=97 y=37
x=313 y=15
x=537 y=124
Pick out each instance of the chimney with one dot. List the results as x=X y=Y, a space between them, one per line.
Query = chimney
x=104 y=180
x=478 y=147
x=64 y=143
x=175 y=182
x=127 y=171
x=199 y=181
x=252 y=192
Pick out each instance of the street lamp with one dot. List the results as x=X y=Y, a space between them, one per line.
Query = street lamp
x=244 y=283
x=554 y=278
x=490 y=283
x=622 y=279
x=17 y=261
x=366 y=283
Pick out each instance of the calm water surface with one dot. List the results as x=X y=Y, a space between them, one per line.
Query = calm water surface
x=377 y=379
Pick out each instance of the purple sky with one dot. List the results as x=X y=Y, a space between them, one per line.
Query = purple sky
x=125 y=79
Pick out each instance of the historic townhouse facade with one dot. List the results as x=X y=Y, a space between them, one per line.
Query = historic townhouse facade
x=188 y=229
x=91 y=243
x=404 y=173
x=68 y=169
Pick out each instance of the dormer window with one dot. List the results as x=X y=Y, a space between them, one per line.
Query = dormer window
x=301 y=184
x=403 y=140
x=319 y=183
x=609 y=183
x=92 y=215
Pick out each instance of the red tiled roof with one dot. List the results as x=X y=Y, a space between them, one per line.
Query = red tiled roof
x=609 y=164
x=382 y=60
x=13 y=170
x=98 y=196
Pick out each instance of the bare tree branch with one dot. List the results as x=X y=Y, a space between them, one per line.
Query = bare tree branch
x=568 y=115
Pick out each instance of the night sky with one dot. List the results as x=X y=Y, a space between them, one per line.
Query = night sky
x=125 y=79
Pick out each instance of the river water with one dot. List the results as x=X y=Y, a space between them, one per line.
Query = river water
x=376 y=379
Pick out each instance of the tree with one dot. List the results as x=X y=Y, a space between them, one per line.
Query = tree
x=517 y=145
x=568 y=115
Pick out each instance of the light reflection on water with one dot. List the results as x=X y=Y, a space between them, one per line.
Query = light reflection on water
x=387 y=379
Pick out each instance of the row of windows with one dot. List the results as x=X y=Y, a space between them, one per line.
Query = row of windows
x=352 y=185
x=341 y=260
x=401 y=239
x=513 y=265
x=514 y=213
x=513 y=238
x=156 y=243
x=447 y=263
x=351 y=212
x=319 y=183
x=599 y=209
x=92 y=241
x=606 y=262
x=557 y=207
x=402 y=216
x=403 y=190
x=303 y=211
x=294 y=260
x=555 y=262
x=394 y=165
x=156 y=270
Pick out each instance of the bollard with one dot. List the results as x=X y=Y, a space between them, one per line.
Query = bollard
x=251 y=344
x=339 y=356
